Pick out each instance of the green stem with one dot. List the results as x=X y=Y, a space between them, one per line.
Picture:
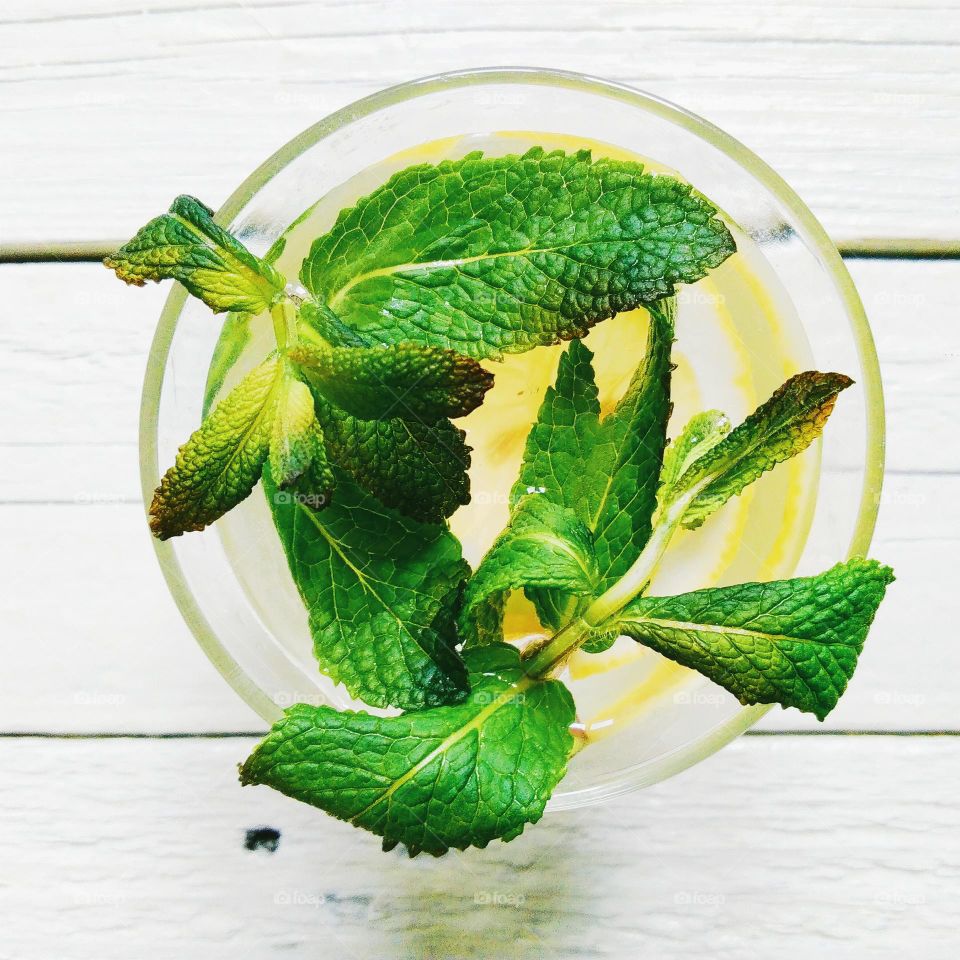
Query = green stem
x=283 y=312
x=546 y=656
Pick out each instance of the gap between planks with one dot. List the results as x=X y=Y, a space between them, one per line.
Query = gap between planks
x=94 y=251
x=258 y=734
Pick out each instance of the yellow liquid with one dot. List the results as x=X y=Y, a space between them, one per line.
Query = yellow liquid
x=738 y=338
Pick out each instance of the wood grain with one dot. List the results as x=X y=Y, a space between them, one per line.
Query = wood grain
x=779 y=846
x=109 y=109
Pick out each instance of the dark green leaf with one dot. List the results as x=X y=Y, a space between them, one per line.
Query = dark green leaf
x=792 y=642
x=498 y=255
x=407 y=381
x=381 y=592
x=417 y=468
x=455 y=776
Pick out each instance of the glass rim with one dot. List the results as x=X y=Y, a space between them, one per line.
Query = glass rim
x=648 y=772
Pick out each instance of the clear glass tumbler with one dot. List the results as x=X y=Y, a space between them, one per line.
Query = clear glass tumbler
x=239 y=634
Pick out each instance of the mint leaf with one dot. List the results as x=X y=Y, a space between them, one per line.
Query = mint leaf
x=314 y=487
x=776 y=431
x=792 y=642
x=298 y=456
x=623 y=492
x=406 y=381
x=186 y=245
x=450 y=777
x=702 y=432
x=381 y=592
x=544 y=545
x=499 y=255
x=607 y=471
x=221 y=462
x=417 y=468
x=564 y=436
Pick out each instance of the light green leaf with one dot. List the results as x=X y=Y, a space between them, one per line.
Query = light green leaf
x=564 y=437
x=499 y=255
x=407 y=381
x=776 y=431
x=417 y=468
x=606 y=471
x=544 y=545
x=222 y=461
x=702 y=432
x=298 y=455
x=381 y=592
x=623 y=496
x=292 y=444
x=450 y=777
x=792 y=642
x=186 y=245
x=315 y=486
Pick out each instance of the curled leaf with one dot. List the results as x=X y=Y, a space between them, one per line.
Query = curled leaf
x=407 y=381
x=187 y=245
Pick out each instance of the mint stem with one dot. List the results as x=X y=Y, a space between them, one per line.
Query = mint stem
x=544 y=657
x=283 y=312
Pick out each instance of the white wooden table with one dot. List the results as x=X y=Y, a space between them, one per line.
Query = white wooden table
x=124 y=828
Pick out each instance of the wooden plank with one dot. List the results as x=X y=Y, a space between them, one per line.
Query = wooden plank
x=70 y=374
x=99 y=644
x=778 y=846
x=101 y=635
x=854 y=104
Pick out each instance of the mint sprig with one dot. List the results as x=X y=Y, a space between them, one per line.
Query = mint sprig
x=780 y=429
x=708 y=467
x=348 y=423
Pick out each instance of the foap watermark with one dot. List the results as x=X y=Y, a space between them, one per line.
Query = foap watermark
x=485 y=699
x=87 y=499
x=99 y=898
x=699 y=898
x=901 y=498
x=316 y=501
x=99 y=698
x=900 y=899
x=899 y=698
x=496 y=498
x=707 y=698
x=299 y=898
x=499 y=898
x=694 y=295
x=287 y=698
